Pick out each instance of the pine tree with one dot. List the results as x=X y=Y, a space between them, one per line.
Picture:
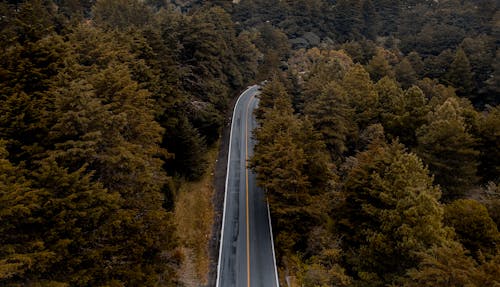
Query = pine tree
x=27 y=73
x=448 y=148
x=30 y=21
x=371 y=21
x=391 y=211
x=188 y=148
x=460 y=74
x=474 y=227
x=331 y=116
x=391 y=105
x=348 y=19
x=379 y=67
x=405 y=74
x=279 y=163
x=416 y=63
x=104 y=129
x=273 y=96
x=448 y=264
x=493 y=83
x=19 y=204
x=416 y=109
x=489 y=147
x=53 y=225
x=291 y=166
x=74 y=225
x=361 y=95
x=444 y=265
x=121 y=15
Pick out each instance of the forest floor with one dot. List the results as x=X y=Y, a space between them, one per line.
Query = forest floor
x=194 y=216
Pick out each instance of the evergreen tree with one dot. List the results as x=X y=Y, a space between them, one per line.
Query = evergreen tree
x=27 y=73
x=493 y=83
x=379 y=67
x=188 y=148
x=19 y=204
x=348 y=19
x=405 y=74
x=273 y=96
x=28 y=21
x=414 y=117
x=416 y=63
x=361 y=95
x=121 y=14
x=460 y=74
x=371 y=21
x=474 y=227
x=291 y=166
x=391 y=105
x=391 y=211
x=448 y=148
x=104 y=128
x=331 y=116
x=489 y=147
x=448 y=265
x=280 y=162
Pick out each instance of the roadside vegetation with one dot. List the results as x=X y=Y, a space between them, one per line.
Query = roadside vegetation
x=194 y=216
x=379 y=143
x=104 y=107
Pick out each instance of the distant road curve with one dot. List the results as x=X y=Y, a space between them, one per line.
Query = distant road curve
x=246 y=255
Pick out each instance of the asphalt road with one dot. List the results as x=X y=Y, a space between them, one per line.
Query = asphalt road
x=246 y=257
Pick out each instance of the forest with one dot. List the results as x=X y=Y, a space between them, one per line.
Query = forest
x=103 y=106
x=379 y=140
x=381 y=118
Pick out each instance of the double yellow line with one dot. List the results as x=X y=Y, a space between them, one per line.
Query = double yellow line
x=246 y=189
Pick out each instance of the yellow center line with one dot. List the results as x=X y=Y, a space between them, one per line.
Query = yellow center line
x=246 y=191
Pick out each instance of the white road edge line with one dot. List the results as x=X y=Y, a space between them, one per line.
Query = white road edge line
x=272 y=244
x=227 y=178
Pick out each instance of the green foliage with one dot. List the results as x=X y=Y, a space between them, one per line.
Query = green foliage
x=401 y=113
x=381 y=239
x=379 y=67
x=391 y=211
x=273 y=96
x=449 y=265
x=448 y=148
x=122 y=14
x=460 y=74
x=291 y=166
x=100 y=101
x=489 y=139
x=474 y=227
x=362 y=96
x=274 y=46
x=490 y=198
x=26 y=22
x=422 y=56
x=331 y=115
x=493 y=83
x=434 y=31
x=324 y=268
x=188 y=147
x=348 y=19
x=405 y=74
x=87 y=109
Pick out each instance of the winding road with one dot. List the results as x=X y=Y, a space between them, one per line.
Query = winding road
x=246 y=255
